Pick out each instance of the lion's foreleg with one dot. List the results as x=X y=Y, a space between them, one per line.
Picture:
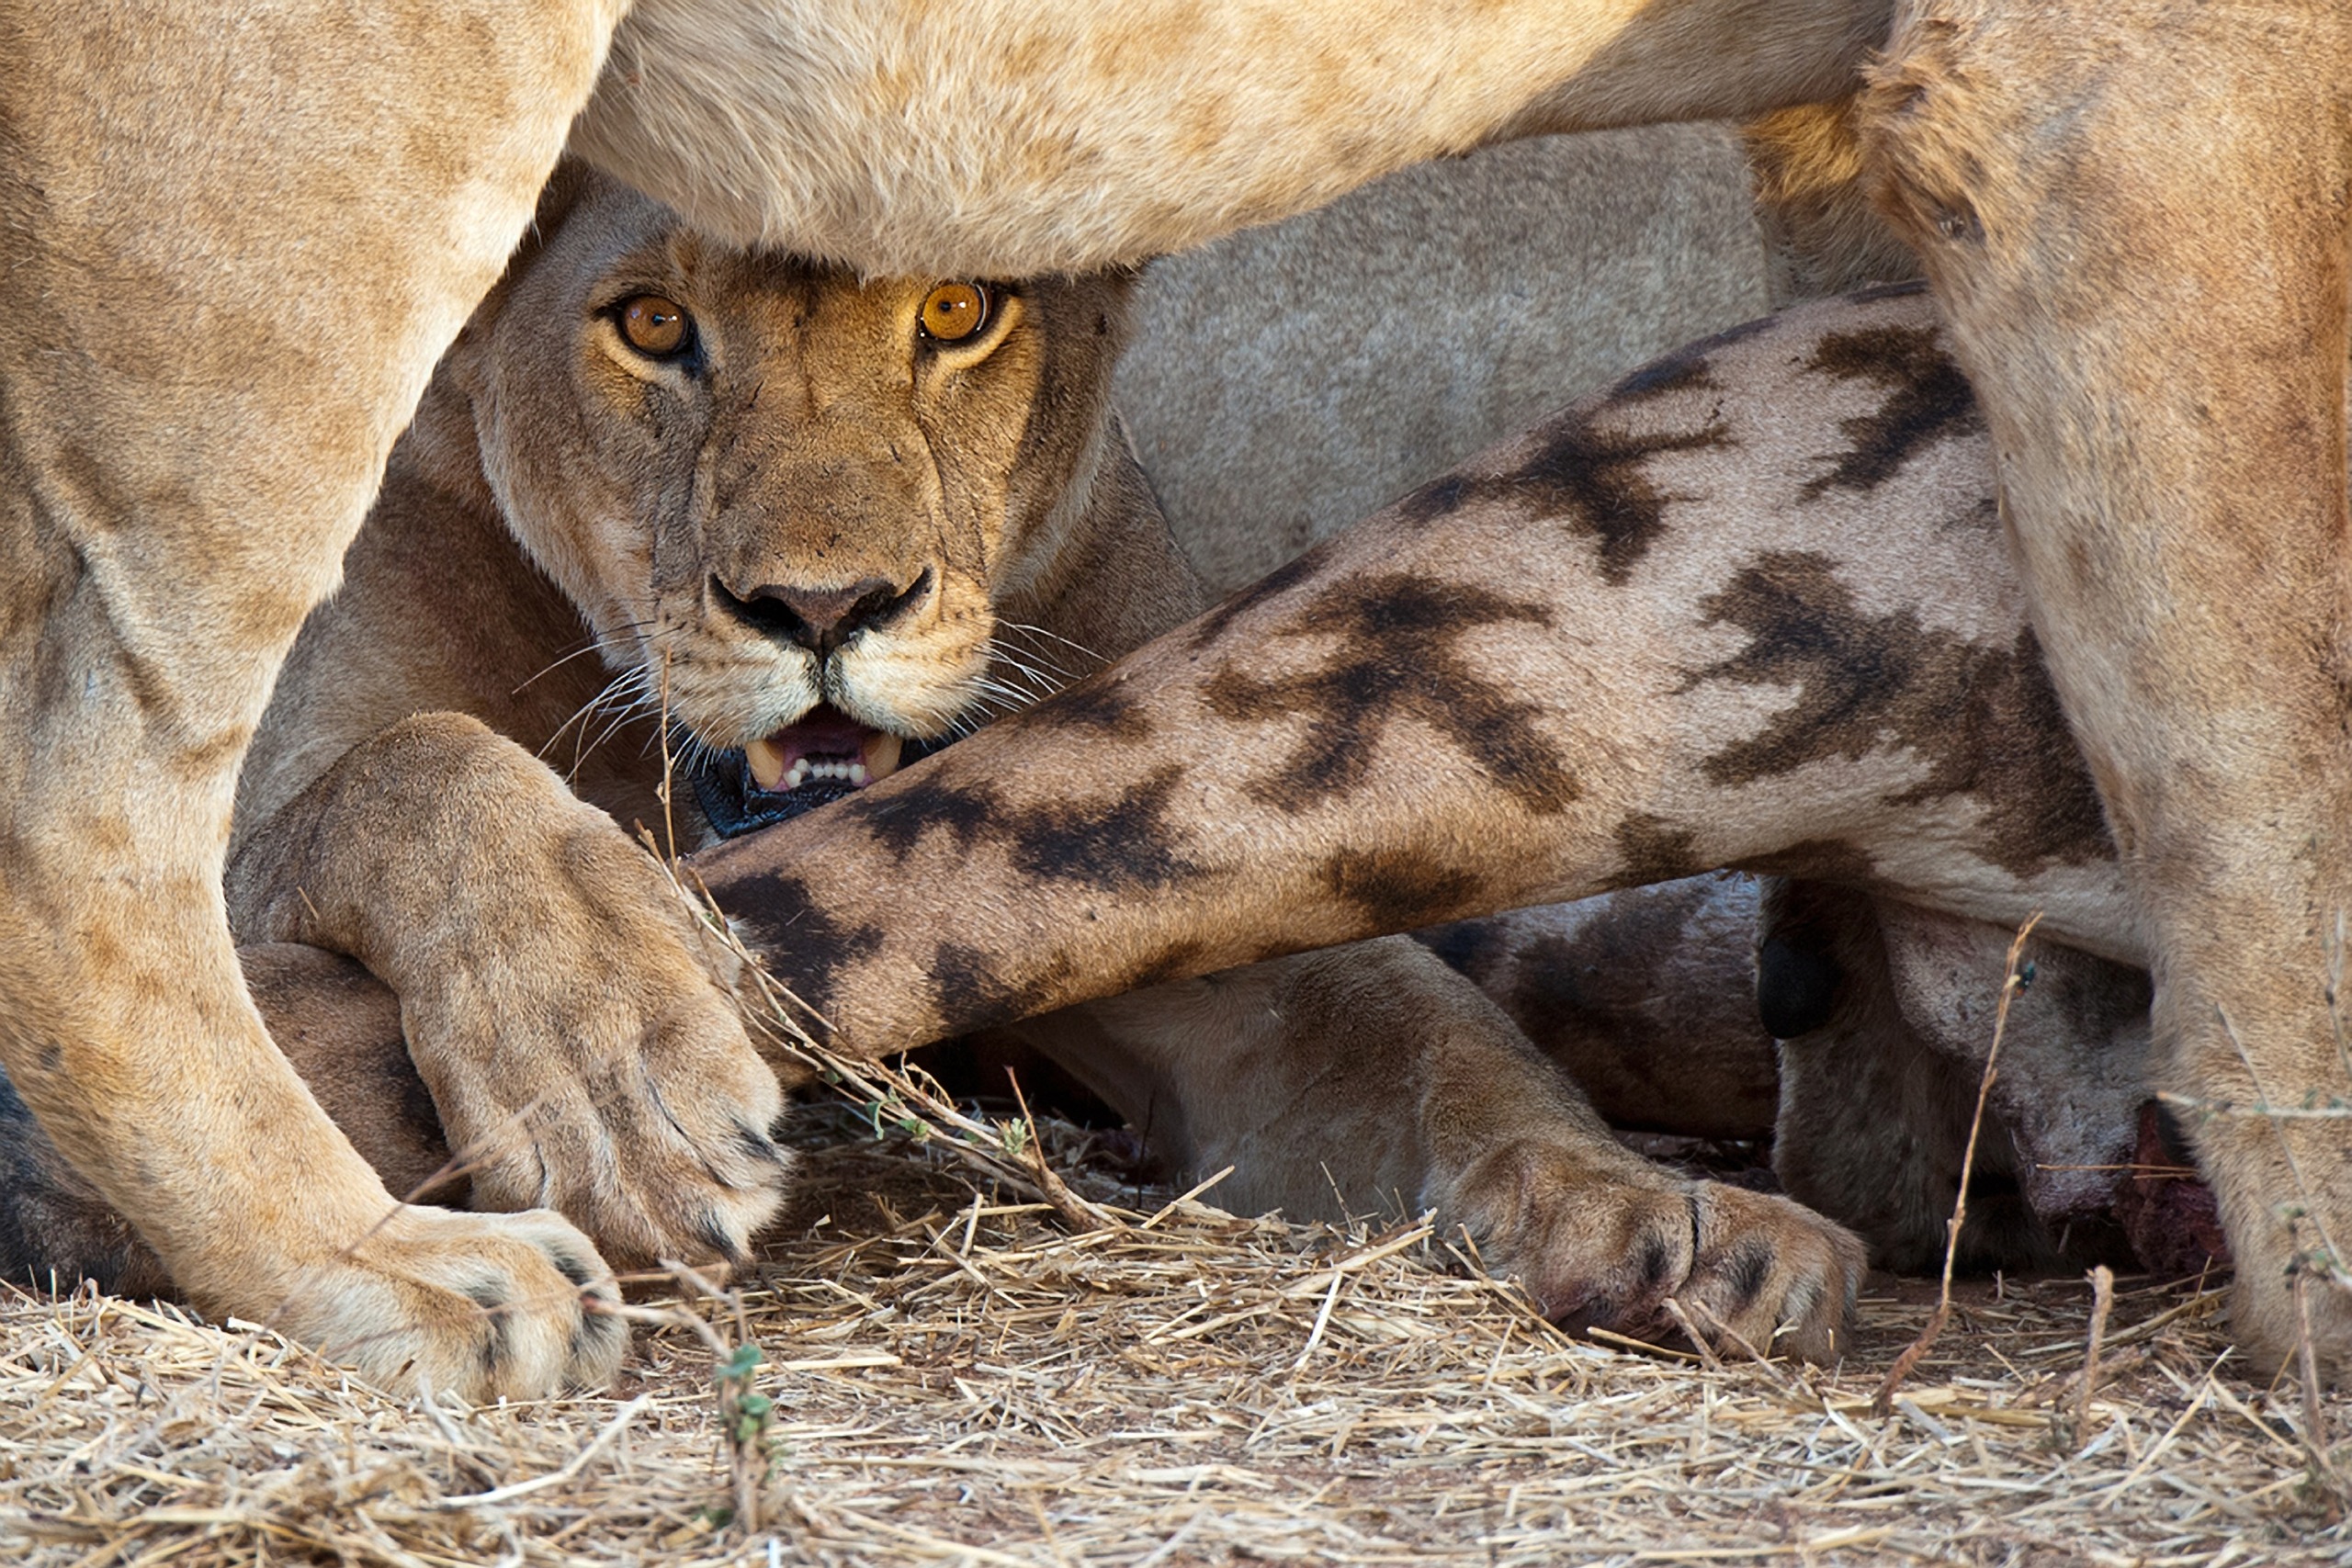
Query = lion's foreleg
x=2136 y=216
x=245 y=240
x=339 y=1027
x=573 y=1018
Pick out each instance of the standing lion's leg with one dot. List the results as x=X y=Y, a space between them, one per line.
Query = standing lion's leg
x=341 y=1028
x=238 y=241
x=2136 y=215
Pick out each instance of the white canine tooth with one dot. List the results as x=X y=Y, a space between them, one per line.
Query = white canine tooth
x=767 y=763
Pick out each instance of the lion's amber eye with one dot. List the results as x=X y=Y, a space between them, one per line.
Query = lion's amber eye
x=656 y=326
x=954 y=311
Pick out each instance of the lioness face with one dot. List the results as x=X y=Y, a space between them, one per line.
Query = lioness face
x=794 y=503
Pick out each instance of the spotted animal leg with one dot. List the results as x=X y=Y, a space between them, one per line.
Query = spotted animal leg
x=1683 y=625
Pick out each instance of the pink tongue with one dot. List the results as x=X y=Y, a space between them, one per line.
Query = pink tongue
x=823 y=733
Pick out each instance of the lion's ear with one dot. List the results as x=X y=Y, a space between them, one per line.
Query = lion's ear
x=564 y=188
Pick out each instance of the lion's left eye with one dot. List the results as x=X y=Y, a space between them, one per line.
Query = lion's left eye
x=954 y=311
x=656 y=326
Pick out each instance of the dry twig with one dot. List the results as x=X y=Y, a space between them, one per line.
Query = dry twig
x=1910 y=1359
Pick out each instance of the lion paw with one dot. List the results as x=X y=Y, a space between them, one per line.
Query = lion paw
x=1603 y=1247
x=488 y=1305
x=610 y=1080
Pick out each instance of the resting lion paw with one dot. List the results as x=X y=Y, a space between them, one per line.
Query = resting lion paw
x=575 y=1020
x=617 y=1085
x=488 y=1305
x=1600 y=1247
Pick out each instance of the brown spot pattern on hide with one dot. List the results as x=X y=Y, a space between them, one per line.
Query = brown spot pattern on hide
x=943 y=800
x=1656 y=851
x=1397 y=889
x=1104 y=704
x=1273 y=585
x=1688 y=369
x=1982 y=718
x=968 y=992
x=1178 y=961
x=1594 y=482
x=1397 y=658
x=1601 y=483
x=1928 y=400
x=806 y=947
x=1124 y=845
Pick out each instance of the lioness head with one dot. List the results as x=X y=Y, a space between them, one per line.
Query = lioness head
x=802 y=507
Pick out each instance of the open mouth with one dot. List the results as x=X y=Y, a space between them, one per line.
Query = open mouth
x=820 y=758
x=823 y=750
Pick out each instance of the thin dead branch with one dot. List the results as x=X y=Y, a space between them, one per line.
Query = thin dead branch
x=2010 y=985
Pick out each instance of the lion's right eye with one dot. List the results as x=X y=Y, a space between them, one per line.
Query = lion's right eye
x=656 y=326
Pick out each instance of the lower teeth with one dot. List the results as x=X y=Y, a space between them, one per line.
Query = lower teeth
x=800 y=772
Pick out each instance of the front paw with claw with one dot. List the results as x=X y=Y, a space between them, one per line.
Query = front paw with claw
x=574 y=1017
x=488 y=1306
x=1642 y=1252
x=611 y=1078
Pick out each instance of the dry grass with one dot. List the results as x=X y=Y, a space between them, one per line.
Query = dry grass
x=959 y=1375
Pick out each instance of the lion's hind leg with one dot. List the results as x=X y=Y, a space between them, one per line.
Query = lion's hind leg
x=1372 y=1079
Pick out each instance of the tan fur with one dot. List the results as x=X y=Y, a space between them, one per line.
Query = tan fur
x=243 y=242
x=997 y=136
x=2143 y=258
x=1821 y=235
x=339 y=1028
x=839 y=446
x=2151 y=291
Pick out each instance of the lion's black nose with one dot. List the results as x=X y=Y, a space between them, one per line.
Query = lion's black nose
x=821 y=619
